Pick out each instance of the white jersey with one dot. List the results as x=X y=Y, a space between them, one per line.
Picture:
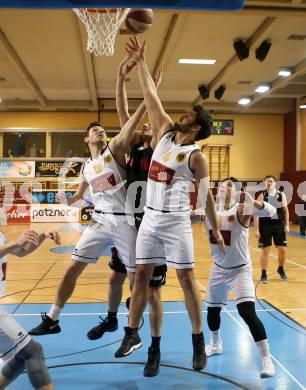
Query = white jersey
x=106 y=179
x=236 y=238
x=3 y=264
x=170 y=177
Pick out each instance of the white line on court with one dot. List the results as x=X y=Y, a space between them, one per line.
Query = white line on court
x=287 y=261
x=273 y=357
x=119 y=313
x=249 y=334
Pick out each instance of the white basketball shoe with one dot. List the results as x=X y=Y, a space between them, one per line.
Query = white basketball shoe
x=268 y=368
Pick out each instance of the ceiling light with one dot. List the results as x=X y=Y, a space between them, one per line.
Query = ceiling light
x=302 y=104
x=263 y=88
x=204 y=91
x=285 y=72
x=194 y=61
x=220 y=91
x=241 y=48
x=262 y=51
x=244 y=101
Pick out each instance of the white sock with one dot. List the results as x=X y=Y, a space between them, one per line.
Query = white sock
x=263 y=347
x=216 y=337
x=54 y=312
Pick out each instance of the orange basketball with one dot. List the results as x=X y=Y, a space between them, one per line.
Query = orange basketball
x=138 y=20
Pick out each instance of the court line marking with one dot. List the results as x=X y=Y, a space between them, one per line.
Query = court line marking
x=287 y=261
x=249 y=334
x=125 y=313
x=273 y=357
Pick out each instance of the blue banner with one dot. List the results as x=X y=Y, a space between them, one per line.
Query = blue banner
x=212 y=5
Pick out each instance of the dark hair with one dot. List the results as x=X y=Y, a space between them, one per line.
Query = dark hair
x=270 y=177
x=205 y=121
x=91 y=125
x=233 y=180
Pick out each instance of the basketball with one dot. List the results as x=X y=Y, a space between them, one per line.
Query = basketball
x=138 y=20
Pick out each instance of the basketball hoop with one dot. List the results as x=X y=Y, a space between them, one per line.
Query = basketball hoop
x=102 y=25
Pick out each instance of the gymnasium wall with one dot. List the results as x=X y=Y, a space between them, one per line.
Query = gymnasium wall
x=303 y=140
x=257 y=144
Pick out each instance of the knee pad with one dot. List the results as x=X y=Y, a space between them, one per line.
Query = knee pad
x=213 y=318
x=246 y=309
x=34 y=360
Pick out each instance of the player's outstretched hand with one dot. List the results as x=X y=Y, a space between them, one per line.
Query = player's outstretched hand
x=218 y=237
x=135 y=49
x=126 y=66
x=158 y=77
x=28 y=237
x=54 y=236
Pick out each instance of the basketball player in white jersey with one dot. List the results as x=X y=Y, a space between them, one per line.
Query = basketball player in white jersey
x=104 y=174
x=17 y=348
x=137 y=175
x=165 y=234
x=232 y=269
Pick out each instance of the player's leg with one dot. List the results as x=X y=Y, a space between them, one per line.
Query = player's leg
x=217 y=293
x=21 y=352
x=244 y=292
x=156 y=317
x=264 y=243
x=115 y=287
x=280 y=241
x=87 y=250
x=148 y=254
x=257 y=329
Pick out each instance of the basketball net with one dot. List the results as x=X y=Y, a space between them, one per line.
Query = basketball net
x=102 y=26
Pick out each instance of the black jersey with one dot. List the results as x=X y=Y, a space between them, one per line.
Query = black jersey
x=275 y=200
x=138 y=169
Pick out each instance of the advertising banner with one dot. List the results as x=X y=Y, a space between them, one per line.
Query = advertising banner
x=17 y=169
x=86 y=213
x=55 y=168
x=18 y=214
x=47 y=197
x=54 y=213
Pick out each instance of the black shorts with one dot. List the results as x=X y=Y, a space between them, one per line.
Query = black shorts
x=159 y=274
x=277 y=232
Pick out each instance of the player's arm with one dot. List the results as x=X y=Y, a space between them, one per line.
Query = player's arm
x=78 y=195
x=256 y=219
x=199 y=166
x=249 y=207
x=27 y=243
x=159 y=119
x=121 y=96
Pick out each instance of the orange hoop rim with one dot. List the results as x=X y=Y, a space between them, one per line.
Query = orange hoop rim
x=102 y=10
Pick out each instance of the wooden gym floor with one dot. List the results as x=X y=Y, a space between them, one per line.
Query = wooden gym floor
x=34 y=279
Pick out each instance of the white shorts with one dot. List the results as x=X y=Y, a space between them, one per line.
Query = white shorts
x=164 y=237
x=112 y=230
x=13 y=337
x=222 y=281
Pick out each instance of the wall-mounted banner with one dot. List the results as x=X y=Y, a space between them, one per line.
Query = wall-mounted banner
x=17 y=169
x=47 y=197
x=86 y=213
x=58 y=168
x=18 y=214
x=54 y=213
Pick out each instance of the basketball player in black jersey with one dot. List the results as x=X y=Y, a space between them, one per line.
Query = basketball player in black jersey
x=137 y=171
x=276 y=228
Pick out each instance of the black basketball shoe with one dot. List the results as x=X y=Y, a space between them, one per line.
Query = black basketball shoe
x=199 y=359
x=47 y=326
x=152 y=366
x=107 y=324
x=130 y=342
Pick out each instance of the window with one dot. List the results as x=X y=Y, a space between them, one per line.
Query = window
x=24 y=144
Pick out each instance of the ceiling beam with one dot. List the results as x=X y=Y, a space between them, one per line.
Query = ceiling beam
x=173 y=33
x=8 y=50
x=279 y=82
x=255 y=37
x=89 y=65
